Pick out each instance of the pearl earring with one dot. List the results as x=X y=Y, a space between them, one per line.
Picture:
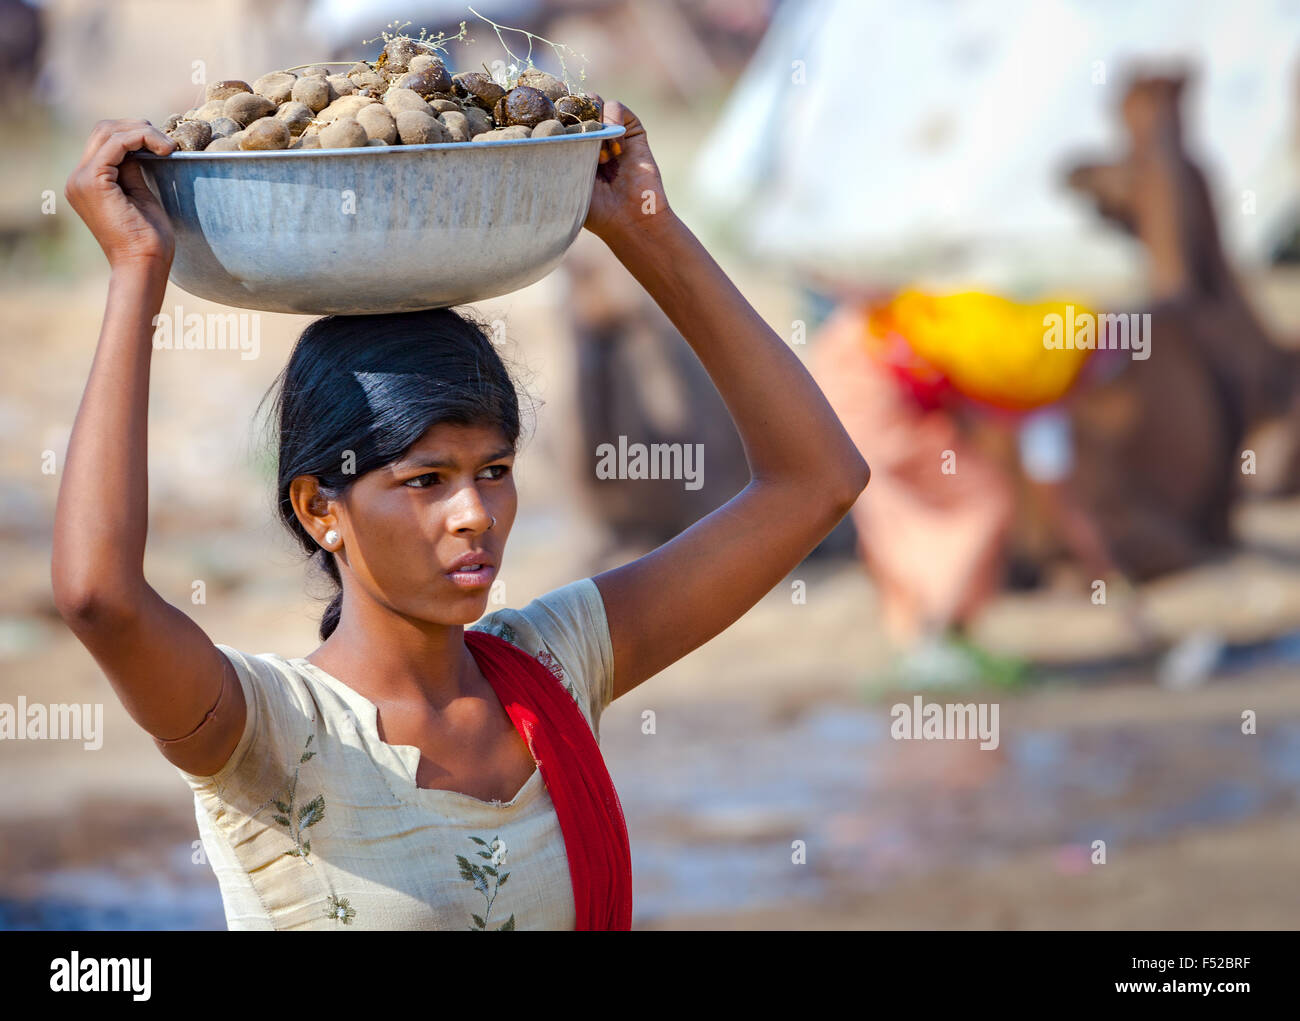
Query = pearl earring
x=331 y=537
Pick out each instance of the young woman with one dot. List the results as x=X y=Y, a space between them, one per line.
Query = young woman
x=412 y=772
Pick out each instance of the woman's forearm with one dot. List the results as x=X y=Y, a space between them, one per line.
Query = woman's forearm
x=788 y=429
x=101 y=518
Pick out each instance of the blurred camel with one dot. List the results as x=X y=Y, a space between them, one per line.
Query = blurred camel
x=1159 y=445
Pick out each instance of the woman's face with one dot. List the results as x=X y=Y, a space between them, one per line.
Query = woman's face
x=403 y=527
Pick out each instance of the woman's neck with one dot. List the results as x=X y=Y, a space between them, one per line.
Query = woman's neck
x=387 y=657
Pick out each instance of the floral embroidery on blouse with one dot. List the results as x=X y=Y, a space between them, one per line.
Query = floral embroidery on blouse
x=548 y=660
x=296 y=819
x=339 y=909
x=544 y=656
x=472 y=872
x=502 y=630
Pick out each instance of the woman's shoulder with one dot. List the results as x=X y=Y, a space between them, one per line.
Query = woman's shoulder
x=290 y=688
x=566 y=631
x=577 y=603
x=279 y=703
x=267 y=671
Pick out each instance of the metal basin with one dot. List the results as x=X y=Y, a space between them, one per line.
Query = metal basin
x=382 y=229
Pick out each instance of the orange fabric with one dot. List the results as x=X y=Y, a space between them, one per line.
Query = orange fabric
x=983 y=346
x=931 y=540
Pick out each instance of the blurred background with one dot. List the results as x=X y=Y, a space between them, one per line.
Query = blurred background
x=1106 y=546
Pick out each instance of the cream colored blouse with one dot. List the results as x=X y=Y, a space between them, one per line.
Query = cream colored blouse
x=315 y=823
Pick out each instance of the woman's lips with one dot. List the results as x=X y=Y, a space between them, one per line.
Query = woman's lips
x=466 y=578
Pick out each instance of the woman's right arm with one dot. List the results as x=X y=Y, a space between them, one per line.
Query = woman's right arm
x=168 y=674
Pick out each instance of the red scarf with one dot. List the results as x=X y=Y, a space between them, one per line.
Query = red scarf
x=557 y=734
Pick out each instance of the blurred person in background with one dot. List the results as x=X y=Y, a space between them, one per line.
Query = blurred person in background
x=956 y=399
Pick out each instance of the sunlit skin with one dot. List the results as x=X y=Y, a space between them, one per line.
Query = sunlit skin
x=400 y=638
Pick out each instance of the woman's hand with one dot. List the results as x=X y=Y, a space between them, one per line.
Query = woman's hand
x=108 y=191
x=628 y=189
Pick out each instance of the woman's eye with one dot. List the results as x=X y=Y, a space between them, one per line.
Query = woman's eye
x=495 y=472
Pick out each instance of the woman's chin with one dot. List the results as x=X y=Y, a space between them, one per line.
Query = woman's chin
x=465 y=607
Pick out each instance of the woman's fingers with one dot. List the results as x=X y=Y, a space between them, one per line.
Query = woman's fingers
x=104 y=167
x=100 y=148
x=109 y=144
x=110 y=193
x=605 y=147
x=143 y=135
x=127 y=140
x=98 y=134
x=106 y=129
x=618 y=114
x=131 y=179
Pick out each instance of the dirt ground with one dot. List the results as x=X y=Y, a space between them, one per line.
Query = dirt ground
x=1226 y=878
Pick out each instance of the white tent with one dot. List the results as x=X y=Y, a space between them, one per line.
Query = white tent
x=927 y=140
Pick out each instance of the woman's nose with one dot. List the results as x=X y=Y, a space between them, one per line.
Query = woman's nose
x=468 y=513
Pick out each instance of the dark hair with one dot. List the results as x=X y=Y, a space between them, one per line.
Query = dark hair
x=373 y=385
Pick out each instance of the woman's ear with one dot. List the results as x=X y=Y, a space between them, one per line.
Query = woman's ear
x=314 y=511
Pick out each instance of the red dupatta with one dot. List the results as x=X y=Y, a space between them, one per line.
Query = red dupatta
x=557 y=734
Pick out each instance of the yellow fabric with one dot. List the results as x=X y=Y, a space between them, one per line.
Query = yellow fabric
x=316 y=823
x=988 y=347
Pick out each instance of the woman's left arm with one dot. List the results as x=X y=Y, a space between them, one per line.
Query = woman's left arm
x=805 y=473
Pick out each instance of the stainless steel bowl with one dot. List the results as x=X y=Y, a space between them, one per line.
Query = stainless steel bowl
x=381 y=229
